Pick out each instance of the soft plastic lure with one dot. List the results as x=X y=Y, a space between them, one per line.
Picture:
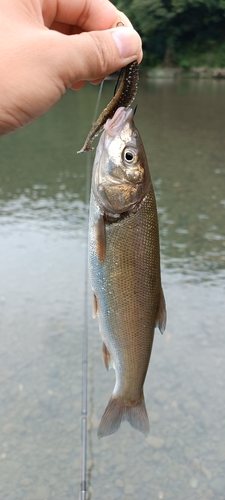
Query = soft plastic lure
x=125 y=93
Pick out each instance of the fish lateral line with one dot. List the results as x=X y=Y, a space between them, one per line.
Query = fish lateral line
x=124 y=96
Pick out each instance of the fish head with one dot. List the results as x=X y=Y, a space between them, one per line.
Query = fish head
x=121 y=176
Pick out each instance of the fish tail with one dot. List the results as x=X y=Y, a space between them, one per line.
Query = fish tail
x=115 y=413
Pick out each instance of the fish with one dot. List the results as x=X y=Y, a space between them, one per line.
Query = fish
x=124 y=95
x=124 y=264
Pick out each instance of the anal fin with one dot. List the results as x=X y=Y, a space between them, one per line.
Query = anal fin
x=95 y=306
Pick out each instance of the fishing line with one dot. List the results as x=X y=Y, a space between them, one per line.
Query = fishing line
x=84 y=413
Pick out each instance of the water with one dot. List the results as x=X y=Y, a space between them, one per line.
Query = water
x=43 y=234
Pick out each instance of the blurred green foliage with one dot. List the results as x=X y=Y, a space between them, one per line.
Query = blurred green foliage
x=179 y=32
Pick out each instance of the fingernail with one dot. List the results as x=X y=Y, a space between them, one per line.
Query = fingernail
x=128 y=42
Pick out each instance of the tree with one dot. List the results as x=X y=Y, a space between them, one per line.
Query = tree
x=170 y=27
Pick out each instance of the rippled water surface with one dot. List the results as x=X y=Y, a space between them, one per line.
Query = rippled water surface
x=43 y=235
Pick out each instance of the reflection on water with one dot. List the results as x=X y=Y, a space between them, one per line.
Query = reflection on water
x=186 y=148
x=43 y=229
x=65 y=211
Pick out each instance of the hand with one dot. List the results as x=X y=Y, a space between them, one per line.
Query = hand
x=39 y=61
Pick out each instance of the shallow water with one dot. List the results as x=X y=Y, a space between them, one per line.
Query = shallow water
x=43 y=238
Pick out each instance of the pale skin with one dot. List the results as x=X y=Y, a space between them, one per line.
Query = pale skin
x=47 y=46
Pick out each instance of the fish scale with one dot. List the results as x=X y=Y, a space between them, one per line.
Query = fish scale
x=129 y=276
x=124 y=262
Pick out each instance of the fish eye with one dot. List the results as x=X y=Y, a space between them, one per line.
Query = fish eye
x=129 y=156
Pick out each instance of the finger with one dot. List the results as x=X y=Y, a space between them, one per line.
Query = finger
x=89 y=15
x=78 y=85
x=91 y=56
x=63 y=28
x=96 y=82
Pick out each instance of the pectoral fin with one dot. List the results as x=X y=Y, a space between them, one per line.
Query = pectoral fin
x=160 y=320
x=100 y=238
x=95 y=306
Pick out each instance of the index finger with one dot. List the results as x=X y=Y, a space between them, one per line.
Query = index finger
x=88 y=15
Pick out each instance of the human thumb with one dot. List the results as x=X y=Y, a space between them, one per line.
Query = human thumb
x=91 y=56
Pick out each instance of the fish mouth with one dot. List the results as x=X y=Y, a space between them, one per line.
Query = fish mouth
x=115 y=125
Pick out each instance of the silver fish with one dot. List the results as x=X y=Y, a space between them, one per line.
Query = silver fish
x=124 y=265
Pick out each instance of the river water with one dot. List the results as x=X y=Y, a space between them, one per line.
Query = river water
x=43 y=240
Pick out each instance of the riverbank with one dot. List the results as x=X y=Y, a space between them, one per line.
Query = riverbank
x=195 y=72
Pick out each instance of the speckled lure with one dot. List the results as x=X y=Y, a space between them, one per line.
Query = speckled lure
x=125 y=94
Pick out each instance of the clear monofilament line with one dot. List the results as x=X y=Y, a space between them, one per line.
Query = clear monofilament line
x=84 y=412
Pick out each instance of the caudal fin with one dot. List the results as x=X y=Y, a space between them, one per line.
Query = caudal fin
x=115 y=413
